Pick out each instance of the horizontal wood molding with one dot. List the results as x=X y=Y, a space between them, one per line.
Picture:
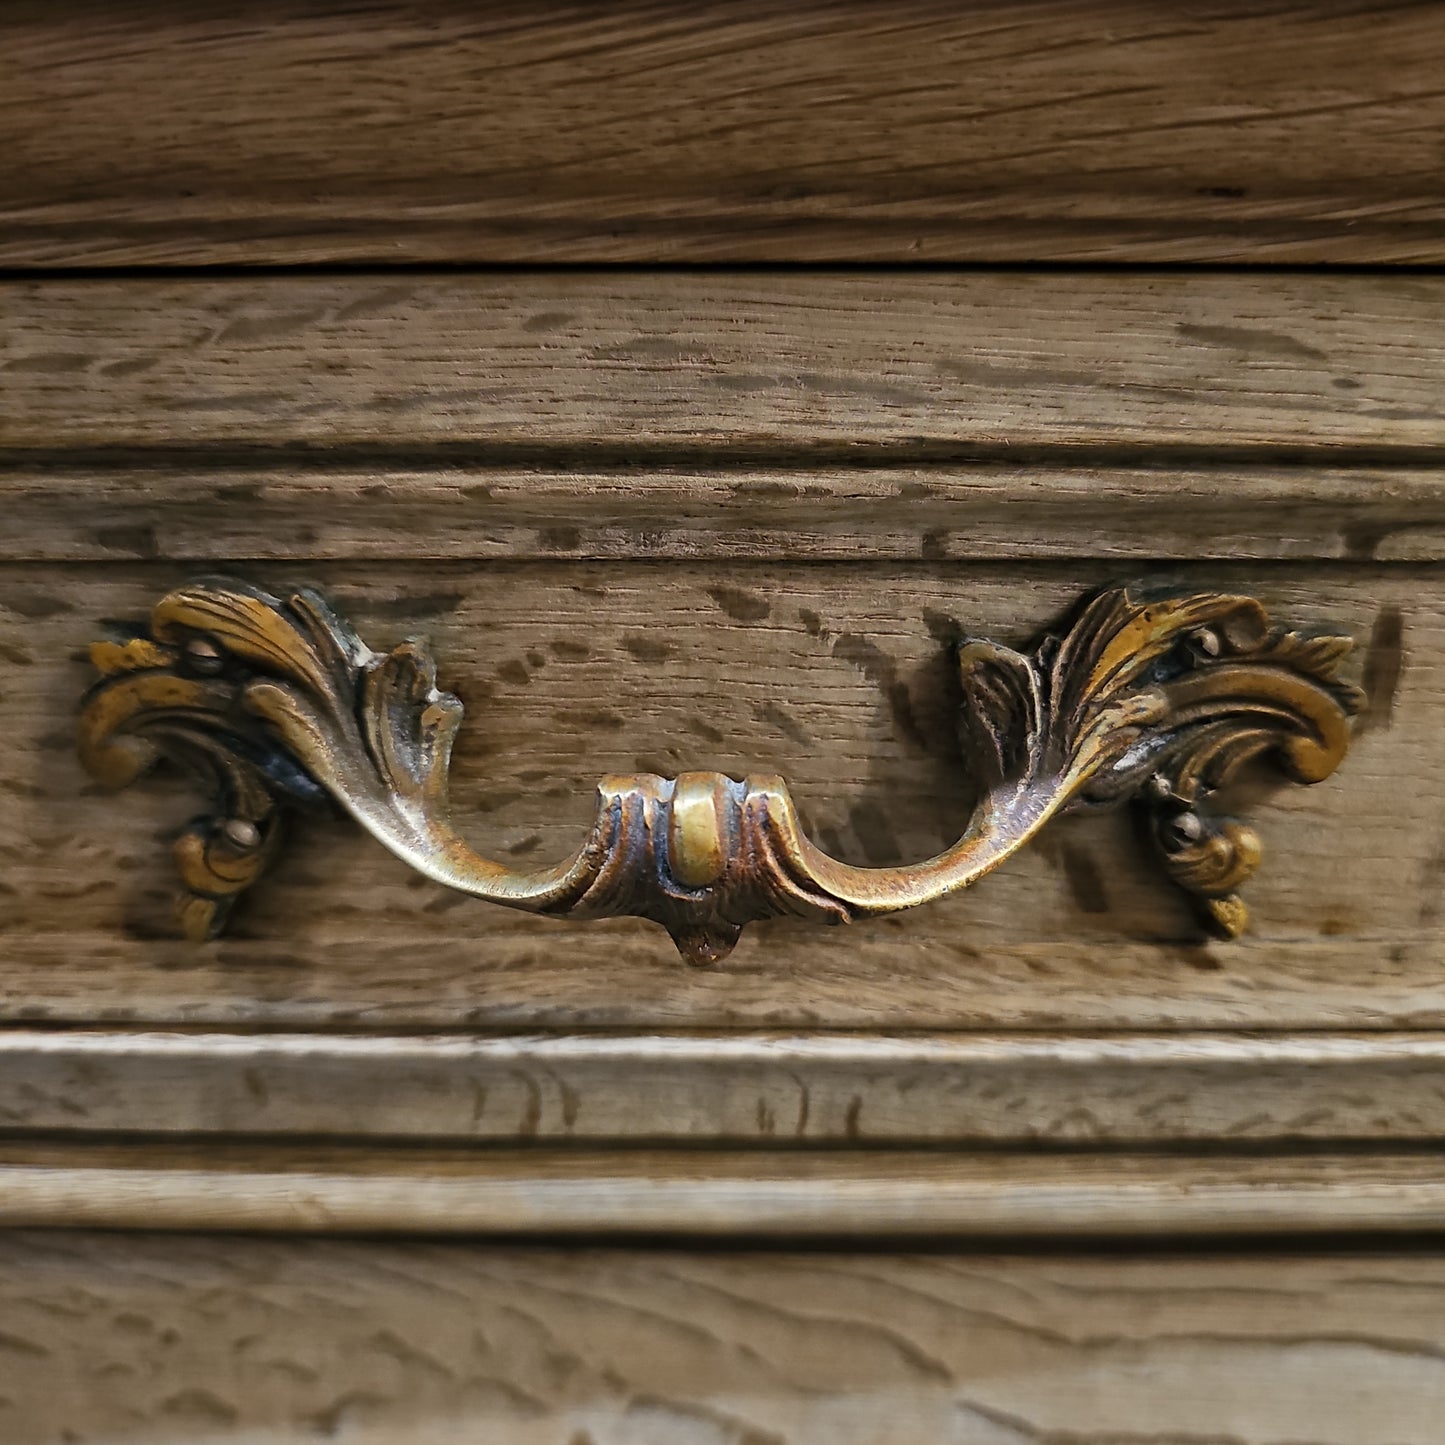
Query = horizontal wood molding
x=735 y=1089
x=903 y=132
x=648 y=368
x=207 y=513
x=724 y=1193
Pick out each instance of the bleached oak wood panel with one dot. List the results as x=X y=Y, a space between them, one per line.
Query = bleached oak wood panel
x=647 y=366
x=169 y=1339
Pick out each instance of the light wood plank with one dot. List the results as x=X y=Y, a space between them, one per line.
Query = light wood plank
x=836 y=676
x=789 y=1194
x=151 y=132
x=743 y=1088
x=645 y=368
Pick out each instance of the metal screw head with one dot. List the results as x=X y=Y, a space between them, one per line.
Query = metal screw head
x=241 y=833
x=1182 y=829
x=204 y=656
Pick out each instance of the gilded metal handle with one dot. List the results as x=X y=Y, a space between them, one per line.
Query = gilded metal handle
x=1158 y=696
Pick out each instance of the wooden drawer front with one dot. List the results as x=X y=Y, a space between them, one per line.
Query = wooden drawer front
x=728 y=522
x=833 y=676
x=732 y=521
x=164 y=1338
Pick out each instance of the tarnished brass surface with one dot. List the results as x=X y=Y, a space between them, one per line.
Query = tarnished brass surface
x=1158 y=697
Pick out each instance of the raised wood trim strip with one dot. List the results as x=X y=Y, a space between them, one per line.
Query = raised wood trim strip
x=207 y=513
x=731 y=1089
x=676 y=366
x=792 y=1194
x=907 y=131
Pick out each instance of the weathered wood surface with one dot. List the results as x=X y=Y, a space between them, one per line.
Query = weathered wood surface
x=207 y=513
x=170 y=1339
x=160 y=132
x=836 y=676
x=796 y=1193
x=647 y=367
x=742 y=1088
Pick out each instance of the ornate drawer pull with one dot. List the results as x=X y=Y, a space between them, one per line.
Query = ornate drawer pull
x=1147 y=695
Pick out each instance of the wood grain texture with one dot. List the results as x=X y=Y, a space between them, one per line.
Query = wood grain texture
x=159 y=132
x=835 y=676
x=206 y=513
x=646 y=368
x=706 y=1193
x=273 y=1342
x=743 y=1088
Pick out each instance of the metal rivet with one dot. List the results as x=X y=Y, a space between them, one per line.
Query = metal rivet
x=203 y=656
x=241 y=833
x=1183 y=829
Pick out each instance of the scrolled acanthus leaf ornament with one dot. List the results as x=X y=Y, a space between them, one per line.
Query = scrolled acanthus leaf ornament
x=1154 y=696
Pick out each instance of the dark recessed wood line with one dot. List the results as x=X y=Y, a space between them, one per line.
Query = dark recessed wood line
x=646 y=458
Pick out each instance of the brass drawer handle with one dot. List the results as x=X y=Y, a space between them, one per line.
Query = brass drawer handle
x=1156 y=696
